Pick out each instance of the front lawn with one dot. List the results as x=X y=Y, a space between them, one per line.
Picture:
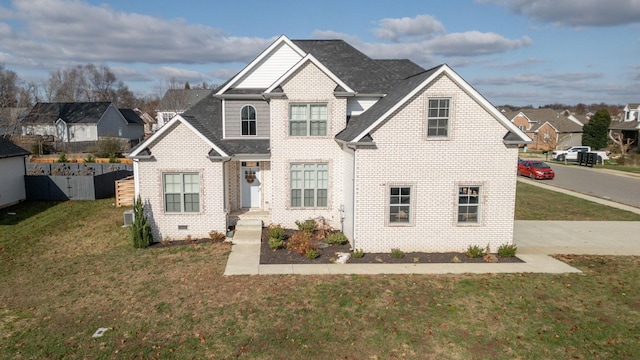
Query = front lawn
x=67 y=269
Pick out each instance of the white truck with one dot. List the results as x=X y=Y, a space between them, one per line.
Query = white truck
x=571 y=154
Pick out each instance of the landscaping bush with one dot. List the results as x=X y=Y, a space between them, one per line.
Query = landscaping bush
x=397 y=253
x=301 y=241
x=275 y=243
x=475 y=251
x=140 y=230
x=62 y=158
x=358 y=253
x=90 y=159
x=217 y=236
x=312 y=253
x=337 y=238
x=307 y=226
x=507 y=250
x=276 y=232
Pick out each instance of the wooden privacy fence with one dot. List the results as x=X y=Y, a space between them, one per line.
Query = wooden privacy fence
x=125 y=191
x=69 y=187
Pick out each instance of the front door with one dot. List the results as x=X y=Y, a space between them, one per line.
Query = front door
x=250 y=180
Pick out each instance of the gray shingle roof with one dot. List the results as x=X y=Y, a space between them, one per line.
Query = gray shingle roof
x=358 y=124
x=357 y=70
x=541 y=116
x=9 y=149
x=625 y=125
x=70 y=112
x=181 y=99
x=131 y=116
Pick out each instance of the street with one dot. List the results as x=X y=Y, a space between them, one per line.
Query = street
x=624 y=189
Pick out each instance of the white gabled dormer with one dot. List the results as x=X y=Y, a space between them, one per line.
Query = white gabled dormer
x=632 y=112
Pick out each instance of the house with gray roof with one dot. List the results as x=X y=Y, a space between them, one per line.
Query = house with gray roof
x=549 y=129
x=390 y=153
x=177 y=101
x=629 y=127
x=82 y=121
x=12 y=172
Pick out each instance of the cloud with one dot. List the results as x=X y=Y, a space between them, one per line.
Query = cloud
x=421 y=27
x=168 y=73
x=78 y=31
x=575 y=13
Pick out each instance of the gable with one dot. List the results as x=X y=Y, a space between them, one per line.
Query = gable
x=173 y=148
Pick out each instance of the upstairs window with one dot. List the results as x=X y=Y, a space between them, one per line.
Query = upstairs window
x=248 y=114
x=438 y=118
x=308 y=120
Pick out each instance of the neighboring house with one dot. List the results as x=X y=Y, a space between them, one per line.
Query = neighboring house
x=177 y=101
x=548 y=128
x=149 y=121
x=630 y=126
x=394 y=155
x=82 y=121
x=12 y=172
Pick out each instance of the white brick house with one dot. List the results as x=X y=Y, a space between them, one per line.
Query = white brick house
x=394 y=155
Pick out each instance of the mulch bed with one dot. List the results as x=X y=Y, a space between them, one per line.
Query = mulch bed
x=328 y=255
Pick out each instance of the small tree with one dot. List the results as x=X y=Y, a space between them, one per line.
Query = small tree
x=595 y=133
x=140 y=230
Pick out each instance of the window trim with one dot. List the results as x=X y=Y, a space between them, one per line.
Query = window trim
x=437 y=118
x=308 y=121
x=302 y=196
x=182 y=194
x=478 y=204
x=412 y=196
x=248 y=121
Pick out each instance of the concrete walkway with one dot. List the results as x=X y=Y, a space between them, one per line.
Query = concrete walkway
x=536 y=240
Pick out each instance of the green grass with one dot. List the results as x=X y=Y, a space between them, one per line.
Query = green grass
x=630 y=169
x=68 y=268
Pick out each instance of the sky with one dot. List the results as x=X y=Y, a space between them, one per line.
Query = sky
x=516 y=52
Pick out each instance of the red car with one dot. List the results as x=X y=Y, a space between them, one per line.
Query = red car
x=535 y=169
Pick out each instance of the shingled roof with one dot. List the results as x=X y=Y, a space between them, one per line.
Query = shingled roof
x=70 y=112
x=9 y=149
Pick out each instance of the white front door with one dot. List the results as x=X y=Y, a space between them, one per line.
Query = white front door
x=250 y=180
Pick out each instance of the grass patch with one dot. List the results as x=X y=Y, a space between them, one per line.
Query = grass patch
x=535 y=203
x=68 y=268
x=631 y=169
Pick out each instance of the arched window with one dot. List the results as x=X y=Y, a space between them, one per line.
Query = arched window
x=248 y=114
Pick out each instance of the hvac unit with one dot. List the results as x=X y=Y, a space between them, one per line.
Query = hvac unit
x=128 y=217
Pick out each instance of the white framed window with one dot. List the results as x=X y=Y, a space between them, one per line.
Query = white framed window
x=249 y=120
x=438 y=118
x=400 y=205
x=181 y=192
x=308 y=119
x=469 y=204
x=309 y=185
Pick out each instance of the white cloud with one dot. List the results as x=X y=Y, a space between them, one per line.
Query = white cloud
x=87 y=33
x=420 y=27
x=576 y=13
x=168 y=73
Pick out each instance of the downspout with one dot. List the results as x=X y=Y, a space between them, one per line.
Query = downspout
x=353 y=201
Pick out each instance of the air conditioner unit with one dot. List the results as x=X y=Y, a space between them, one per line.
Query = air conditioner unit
x=128 y=217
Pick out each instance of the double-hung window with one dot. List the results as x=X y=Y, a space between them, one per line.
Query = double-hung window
x=248 y=114
x=308 y=119
x=468 y=204
x=438 y=118
x=181 y=192
x=400 y=205
x=309 y=185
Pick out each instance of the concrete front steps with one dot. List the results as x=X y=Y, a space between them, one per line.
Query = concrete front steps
x=247 y=231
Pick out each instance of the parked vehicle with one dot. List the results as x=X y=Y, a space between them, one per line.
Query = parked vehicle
x=535 y=169
x=571 y=154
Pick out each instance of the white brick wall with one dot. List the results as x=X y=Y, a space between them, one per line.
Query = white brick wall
x=473 y=154
x=308 y=84
x=181 y=150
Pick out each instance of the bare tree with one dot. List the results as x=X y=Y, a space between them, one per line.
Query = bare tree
x=618 y=138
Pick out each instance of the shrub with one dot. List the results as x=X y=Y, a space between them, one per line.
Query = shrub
x=301 y=242
x=217 y=236
x=275 y=243
x=397 y=253
x=41 y=149
x=507 y=250
x=475 y=251
x=107 y=147
x=140 y=229
x=358 y=253
x=307 y=226
x=62 y=158
x=312 y=253
x=276 y=232
x=337 y=238
x=113 y=159
x=90 y=159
